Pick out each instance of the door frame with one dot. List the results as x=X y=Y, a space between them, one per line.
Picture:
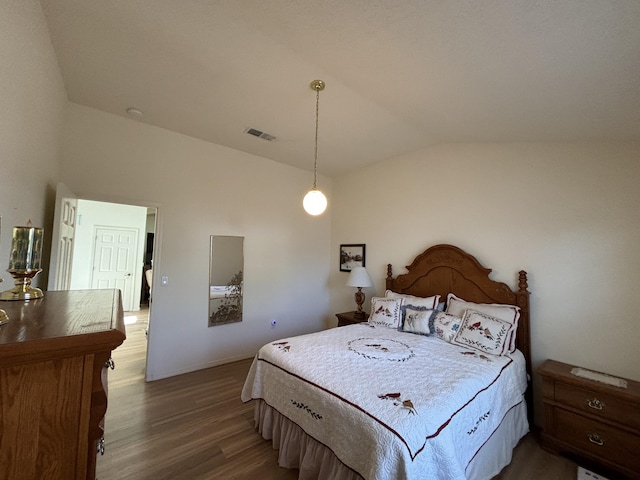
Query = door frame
x=157 y=241
x=62 y=258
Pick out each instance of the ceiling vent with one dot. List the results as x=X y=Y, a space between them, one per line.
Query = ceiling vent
x=259 y=134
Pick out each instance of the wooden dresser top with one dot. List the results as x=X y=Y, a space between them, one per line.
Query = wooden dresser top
x=65 y=322
x=562 y=372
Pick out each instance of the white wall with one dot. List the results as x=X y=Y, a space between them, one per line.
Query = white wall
x=32 y=104
x=92 y=215
x=567 y=214
x=202 y=189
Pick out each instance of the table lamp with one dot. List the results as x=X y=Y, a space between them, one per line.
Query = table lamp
x=24 y=262
x=359 y=278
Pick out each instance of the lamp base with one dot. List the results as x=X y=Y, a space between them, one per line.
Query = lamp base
x=23 y=289
x=360 y=296
x=18 y=293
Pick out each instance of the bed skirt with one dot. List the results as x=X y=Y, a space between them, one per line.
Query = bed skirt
x=316 y=461
x=298 y=450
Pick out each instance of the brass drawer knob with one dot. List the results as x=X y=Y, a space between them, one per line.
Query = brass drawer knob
x=110 y=364
x=595 y=438
x=595 y=404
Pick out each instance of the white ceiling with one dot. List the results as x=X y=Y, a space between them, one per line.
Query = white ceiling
x=401 y=74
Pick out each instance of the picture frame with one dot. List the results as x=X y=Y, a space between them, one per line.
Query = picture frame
x=352 y=255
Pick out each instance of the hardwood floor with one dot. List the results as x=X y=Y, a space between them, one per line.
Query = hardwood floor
x=194 y=427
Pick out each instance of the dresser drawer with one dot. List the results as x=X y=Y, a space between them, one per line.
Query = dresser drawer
x=598 y=439
x=598 y=404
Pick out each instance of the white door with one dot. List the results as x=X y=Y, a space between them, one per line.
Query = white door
x=64 y=223
x=114 y=260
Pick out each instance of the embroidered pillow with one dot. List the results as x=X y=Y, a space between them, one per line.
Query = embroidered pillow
x=416 y=320
x=484 y=333
x=385 y=312
x=445 y=326
x=427 y=302
x=508 y=313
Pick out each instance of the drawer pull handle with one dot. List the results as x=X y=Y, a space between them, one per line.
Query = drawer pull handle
x=110 y=364
x=595 y=404
x=595 y=438
x=100 y=446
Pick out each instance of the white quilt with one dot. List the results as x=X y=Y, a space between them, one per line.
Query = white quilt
x=389 y=404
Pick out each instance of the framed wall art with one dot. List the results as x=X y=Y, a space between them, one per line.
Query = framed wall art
x=352 y=255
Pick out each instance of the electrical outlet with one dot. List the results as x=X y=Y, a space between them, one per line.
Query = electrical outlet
x=165 y=281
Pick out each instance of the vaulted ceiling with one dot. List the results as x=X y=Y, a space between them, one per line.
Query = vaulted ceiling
x=401 y=75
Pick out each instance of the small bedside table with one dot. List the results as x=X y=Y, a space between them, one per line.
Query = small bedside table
x=348 y=318
x=592 y=419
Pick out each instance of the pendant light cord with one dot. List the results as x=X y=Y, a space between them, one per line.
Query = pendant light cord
x=315 y=202
x=315 y=154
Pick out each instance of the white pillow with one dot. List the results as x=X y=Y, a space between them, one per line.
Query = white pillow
x=427 y=302
x=416 y=320
x=484 y=333
x=508 y=313
x=386 y=312
x=445 y=326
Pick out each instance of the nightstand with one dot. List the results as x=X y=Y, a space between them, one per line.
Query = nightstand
x=348 y=318
x=595 y=420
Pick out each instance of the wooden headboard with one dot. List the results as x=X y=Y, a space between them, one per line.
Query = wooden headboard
x=444 y=269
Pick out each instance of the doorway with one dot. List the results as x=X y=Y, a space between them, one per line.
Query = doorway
x=108 y=249
x=109 y=246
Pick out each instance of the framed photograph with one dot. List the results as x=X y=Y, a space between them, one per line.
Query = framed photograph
x=352 y=255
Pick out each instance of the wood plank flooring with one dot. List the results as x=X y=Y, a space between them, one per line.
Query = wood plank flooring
x=194 y=427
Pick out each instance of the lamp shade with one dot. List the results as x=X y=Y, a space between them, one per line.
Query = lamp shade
x=359 y=278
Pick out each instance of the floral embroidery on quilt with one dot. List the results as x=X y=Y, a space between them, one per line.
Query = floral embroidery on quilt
x=396 y=398
x=477 y=355
x=381 y=349
x=305 y=408
x=283 y=346
x=481 y=419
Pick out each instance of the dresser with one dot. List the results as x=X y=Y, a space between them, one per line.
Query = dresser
x=349 y=318
x=55 y=353
x=592 y=419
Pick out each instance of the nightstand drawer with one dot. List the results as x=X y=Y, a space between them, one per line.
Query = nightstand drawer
x=593 y=419
x=598 y=439
x=598 y=404
x=349 y=318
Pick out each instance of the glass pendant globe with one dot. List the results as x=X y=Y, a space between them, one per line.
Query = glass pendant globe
x=314 y=202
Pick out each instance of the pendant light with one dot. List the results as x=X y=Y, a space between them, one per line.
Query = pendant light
x=314 y=201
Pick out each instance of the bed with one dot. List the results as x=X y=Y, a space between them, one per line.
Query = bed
x=381 y=401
